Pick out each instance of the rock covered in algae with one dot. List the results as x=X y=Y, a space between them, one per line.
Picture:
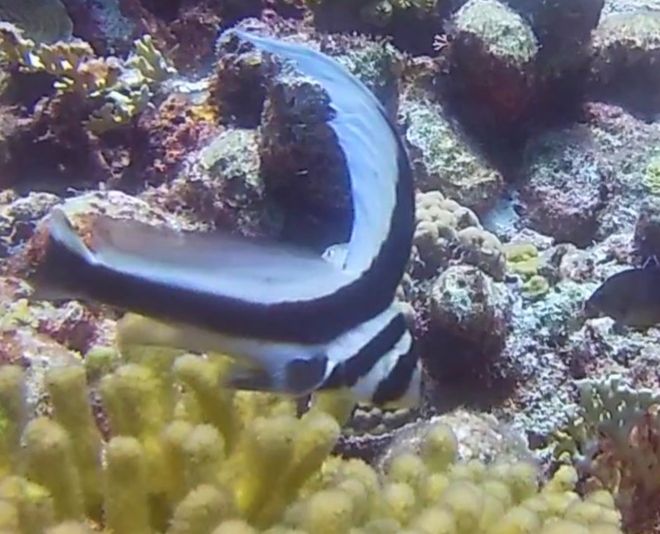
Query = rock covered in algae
x=565 y=189
x=471 y=313
x=19 y=217
x=303 y=167
x=563 y=29
x=221 y=186
x=239 y=84
x=378 y=64
x=647 y=229
x=82 y=211
x=443 y=159
x=41 y=20
x=493 y=55
x=626 y=51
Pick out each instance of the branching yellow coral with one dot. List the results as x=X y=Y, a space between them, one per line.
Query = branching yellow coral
x=178 y=468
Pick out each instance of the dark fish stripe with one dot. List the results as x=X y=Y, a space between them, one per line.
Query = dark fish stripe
x=349 y=371
x=394 y=386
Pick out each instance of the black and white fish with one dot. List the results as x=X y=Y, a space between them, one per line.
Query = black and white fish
x=301 y=321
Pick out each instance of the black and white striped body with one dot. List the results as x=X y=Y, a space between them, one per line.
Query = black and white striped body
x=301 y=321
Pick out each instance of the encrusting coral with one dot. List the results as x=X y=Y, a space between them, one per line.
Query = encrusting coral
x=523 y=259
x=446 y=230
x=175 y=453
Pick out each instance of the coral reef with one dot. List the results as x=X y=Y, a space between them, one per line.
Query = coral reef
x=533 y=132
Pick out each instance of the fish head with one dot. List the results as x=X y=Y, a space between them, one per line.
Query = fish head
x=608 y=301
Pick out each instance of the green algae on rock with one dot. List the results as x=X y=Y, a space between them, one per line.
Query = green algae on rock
x=443 y=159
x=501 y=32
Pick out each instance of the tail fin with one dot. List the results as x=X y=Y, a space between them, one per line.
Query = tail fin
x=58 y=275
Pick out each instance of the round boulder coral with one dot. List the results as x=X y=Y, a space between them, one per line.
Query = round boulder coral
x=447 y=231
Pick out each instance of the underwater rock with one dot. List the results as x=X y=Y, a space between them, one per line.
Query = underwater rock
x=163 y=138
x=302 y=163
x=243 y=74
x=534 y=358
x=444 y=161
x=468 y=323
x=628 y=152
x=81 y=210
x=195 y=31
x=613 y=7
x=111 y=26
x=221 y=186
x=626 y=53
x=492 y=57
x=563 y=29
x=647 y=229
x=73 y=325
x=377 y=64
x=479 y=436
x=412 y=24
x=239 y=84
x=69 y=154
x=564 y=189
x=19 y=216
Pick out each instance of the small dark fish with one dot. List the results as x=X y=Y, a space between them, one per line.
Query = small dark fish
x=631 y=297
x=43 y=21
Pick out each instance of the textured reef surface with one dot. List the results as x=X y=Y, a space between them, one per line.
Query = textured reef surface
x=533 y=130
